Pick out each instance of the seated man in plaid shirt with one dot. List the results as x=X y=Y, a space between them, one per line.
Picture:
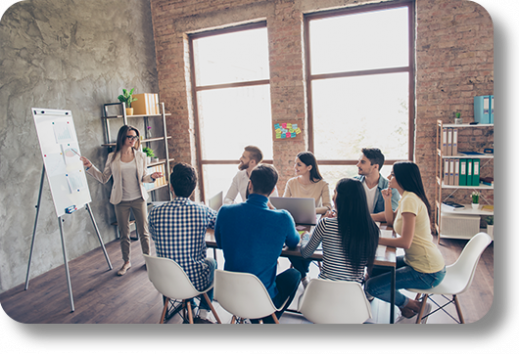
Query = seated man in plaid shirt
x=178 y=229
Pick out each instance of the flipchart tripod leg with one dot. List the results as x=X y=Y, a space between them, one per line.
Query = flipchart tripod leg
x=34 y=230
x=67 y=271
x=99 y=236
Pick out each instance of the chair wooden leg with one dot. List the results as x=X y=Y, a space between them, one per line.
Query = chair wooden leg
x=422 y=308
x=164 y=311
x=458 y=308
x=275 y=318
x=189 y=312
x=206 y=297
x=417 y=297
x=319 y=264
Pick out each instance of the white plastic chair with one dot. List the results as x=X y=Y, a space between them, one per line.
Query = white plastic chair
x=172 y=282
x=459 y=275
x=243 y=295
x=335 y=302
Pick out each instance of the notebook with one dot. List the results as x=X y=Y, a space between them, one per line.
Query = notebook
x=301 y=209
x=216 y=202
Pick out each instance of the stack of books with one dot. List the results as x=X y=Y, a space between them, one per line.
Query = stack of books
x=451 y=206
x=159 y=181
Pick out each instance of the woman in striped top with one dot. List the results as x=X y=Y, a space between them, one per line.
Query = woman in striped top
x=349 y=240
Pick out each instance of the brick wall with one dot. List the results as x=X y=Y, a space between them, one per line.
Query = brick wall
x=454 y=62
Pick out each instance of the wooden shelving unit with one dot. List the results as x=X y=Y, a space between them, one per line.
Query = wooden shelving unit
x=440 y=185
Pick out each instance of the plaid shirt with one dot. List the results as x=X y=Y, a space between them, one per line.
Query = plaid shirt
x=178 y=229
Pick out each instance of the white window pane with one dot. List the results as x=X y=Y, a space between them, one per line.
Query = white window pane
x=218 y=178
x=231 y=57
x=233 y=118
x=357 y=112
x=372 y=40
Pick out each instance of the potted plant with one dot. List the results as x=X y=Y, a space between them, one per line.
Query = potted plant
x=475 y=200
x=490 y=225
x=457 y=119
x=149 y=153
x=127 y=98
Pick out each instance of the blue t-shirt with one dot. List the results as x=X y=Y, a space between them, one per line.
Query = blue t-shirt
x=252 y=237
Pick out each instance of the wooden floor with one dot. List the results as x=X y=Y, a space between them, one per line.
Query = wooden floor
x=101 y=296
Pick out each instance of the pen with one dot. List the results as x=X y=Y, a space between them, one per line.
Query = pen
x=75 y=152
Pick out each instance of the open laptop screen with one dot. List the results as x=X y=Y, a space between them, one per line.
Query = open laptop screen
x=216 y=202
x=301 y=209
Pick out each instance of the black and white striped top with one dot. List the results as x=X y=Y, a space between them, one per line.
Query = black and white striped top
x=336 y=265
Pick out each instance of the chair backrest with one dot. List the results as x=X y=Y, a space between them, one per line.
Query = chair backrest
x=242 y=294
x=169 y=278
x=335 y=302
x=464 y=268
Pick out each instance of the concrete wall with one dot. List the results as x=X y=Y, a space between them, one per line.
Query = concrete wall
x=63 y=54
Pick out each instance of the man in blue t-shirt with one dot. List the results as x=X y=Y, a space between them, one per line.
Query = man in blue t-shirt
x=252 y=237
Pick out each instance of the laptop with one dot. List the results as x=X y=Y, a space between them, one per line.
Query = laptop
x=216 y=202
x=301 y=209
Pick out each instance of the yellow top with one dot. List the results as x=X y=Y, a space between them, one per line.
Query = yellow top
x=423 y=255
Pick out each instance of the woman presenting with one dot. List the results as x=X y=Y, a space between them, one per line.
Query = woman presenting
x=128 y=167
x=423 y=266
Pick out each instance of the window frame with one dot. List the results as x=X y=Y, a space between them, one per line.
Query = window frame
x=410 y=69
x=196 y=88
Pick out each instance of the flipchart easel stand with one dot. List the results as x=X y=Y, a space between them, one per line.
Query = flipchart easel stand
x=65 y=174
x=65 y=259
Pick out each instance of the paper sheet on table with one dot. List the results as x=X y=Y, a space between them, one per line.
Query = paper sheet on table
x=386 y=233
x=381 y=251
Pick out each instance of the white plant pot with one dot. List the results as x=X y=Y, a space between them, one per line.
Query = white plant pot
x=490 y=231
x=475 y=206
x=155 y=159
x=148 y=159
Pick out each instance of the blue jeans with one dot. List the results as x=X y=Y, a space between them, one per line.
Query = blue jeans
x=287 y=284
x=379 y=283
x=212 y=266
x=302 y=265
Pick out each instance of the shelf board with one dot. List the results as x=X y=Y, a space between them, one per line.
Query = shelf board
x=467 y=211
x=119 y=116
x=458 y=237
x=483 y=156
x=481 y=186
x=142 y=141
x=467 y=125
x=161 y=162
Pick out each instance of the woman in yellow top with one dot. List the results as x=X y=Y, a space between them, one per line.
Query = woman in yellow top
x=423 y=266
x=308 y=183
x=127 y=166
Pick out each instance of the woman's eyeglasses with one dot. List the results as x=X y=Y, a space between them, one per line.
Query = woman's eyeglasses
x=132 y=137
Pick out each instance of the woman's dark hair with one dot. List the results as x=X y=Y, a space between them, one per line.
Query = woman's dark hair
x=408 y=176
x=121 y=137
x=183 y=180
x=358 y=231
x=308 y=158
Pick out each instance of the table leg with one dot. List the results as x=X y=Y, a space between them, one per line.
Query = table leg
x=393 y=289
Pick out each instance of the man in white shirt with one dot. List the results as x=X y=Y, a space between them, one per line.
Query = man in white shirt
x=251 y=157
x=369 y=166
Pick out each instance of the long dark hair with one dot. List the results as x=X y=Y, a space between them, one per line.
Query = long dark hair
x=121 y=137
x=408 y=176
x=308 y=158
x=358 y=231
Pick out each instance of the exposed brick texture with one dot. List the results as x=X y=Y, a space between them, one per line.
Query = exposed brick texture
x=454 y=62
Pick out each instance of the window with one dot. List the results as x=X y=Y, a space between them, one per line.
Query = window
x=360 y=86
x=232 y=97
